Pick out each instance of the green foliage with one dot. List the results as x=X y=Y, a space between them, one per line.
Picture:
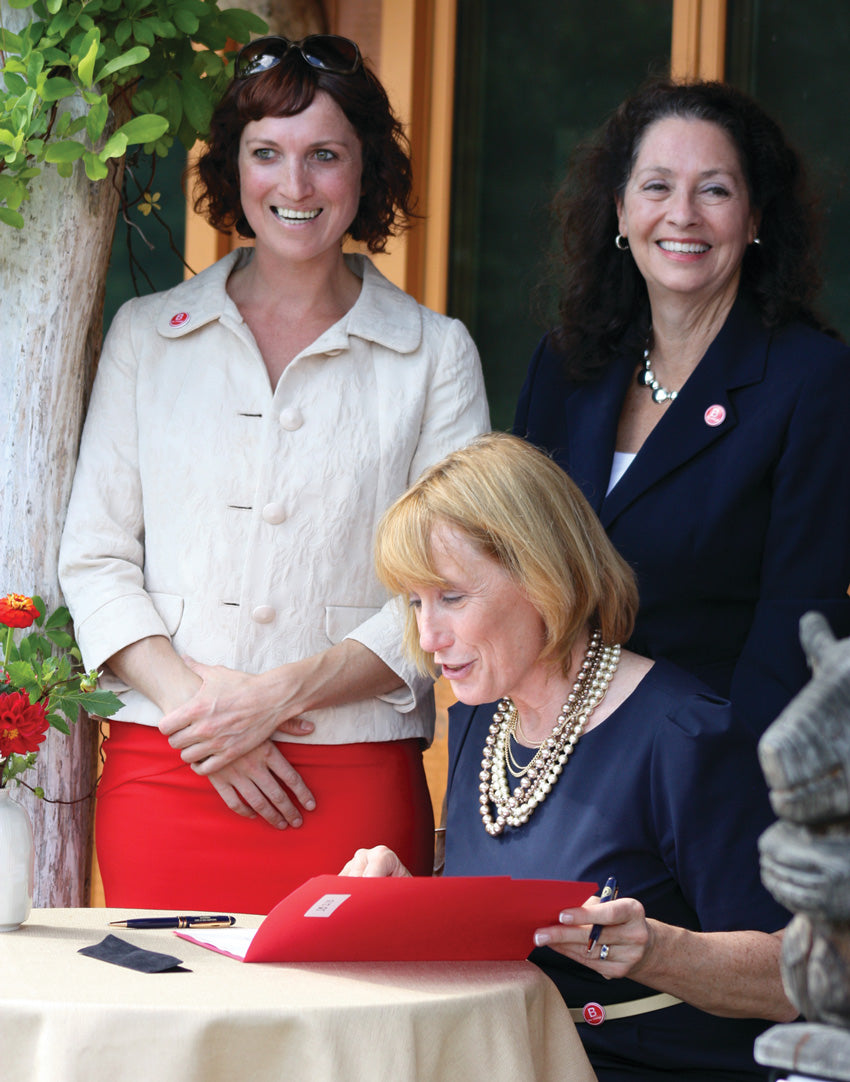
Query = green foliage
x=61 y=74
x=57 y=680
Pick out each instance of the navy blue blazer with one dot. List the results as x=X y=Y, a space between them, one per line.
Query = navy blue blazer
x=734 y=529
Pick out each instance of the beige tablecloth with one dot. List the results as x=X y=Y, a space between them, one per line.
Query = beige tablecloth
x=68 y=1018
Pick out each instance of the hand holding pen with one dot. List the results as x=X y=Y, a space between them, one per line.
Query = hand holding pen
x=609 y=892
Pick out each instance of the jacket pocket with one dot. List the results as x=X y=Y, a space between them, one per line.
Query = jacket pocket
x=170 y=609
x=341 y=620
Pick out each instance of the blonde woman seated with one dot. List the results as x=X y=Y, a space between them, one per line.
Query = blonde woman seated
x=572 y=759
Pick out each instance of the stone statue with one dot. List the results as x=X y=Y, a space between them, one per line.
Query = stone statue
x=805 y=860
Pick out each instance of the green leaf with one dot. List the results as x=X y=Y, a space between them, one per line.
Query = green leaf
x=137 y=55
x=186 y=21
x=56 y=88
x=60 y=617
x=143 y=33
x=85 y=69
x=10 y=42
x=96 y=119
x=53 y=6
x=61 y=638
x=26 y=649
x=240 y=25
x=68 y=150
x=65 y=169
x=123 y=32
x=14 y=83
x=144 y=129
x=59 y=723
x=162 y=28
x=11 y=191
x=62 y=22
x=115 y=146
x=23 y=674
x=11 y=217
x=196 y=103
x=103 y=704
x=95 y=168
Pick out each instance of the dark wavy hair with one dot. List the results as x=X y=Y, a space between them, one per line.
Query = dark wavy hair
x=604 y=305
x=386 y=205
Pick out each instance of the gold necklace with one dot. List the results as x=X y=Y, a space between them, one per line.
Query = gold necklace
x=514 y=726
x=537 y=778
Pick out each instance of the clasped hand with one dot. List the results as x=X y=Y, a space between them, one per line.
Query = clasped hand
x=230 y=714
x=223 y=731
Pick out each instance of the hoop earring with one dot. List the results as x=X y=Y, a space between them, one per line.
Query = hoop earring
x=621 y=242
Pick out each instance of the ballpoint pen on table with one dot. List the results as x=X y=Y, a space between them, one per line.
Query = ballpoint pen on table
x=175 y=922
x=609 y=891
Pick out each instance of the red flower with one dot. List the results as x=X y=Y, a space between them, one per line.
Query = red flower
x=23 y=724
x=16 y=610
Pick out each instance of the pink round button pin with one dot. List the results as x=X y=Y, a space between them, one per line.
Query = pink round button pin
x=714 y=416
x=178 y=319
x=594 y=1014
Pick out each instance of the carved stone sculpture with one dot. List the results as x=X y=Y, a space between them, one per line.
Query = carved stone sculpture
x=805 y=860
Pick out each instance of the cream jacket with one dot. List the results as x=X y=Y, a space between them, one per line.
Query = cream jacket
x=239 y=521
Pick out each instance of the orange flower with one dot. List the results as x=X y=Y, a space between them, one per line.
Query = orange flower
x=23 y=724
x=16 y=610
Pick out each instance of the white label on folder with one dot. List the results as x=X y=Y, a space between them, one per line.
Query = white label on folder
x=326 y=905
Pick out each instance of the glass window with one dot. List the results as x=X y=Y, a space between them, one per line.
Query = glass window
x=532 y=80
x=792 y=58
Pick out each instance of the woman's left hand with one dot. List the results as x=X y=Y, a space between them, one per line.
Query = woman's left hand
x=626 y=934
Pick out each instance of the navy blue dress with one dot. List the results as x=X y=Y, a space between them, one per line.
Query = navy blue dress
x=667 y=795
x=735 y=514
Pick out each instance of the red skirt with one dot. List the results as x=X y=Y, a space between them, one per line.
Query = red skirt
x=166 y=840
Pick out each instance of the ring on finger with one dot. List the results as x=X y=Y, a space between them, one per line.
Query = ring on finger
x=604 y=951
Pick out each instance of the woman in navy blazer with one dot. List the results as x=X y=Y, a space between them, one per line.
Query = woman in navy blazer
x=692 y=393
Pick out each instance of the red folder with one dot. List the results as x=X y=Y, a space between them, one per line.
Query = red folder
x=335 y=918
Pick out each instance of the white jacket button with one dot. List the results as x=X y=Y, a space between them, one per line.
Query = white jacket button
x=263 y=614
x=291 y=418
x=274 y=513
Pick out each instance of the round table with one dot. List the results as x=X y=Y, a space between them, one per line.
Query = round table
x=65 y=1017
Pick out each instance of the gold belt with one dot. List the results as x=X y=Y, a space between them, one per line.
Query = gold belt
x=594 y=1014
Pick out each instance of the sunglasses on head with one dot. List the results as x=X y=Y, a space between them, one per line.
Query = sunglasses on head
x=327 y=52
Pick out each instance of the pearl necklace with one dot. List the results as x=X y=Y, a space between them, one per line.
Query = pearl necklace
x=646 y=378
x=536 y=780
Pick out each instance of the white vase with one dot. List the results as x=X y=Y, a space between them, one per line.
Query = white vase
x=16 y=864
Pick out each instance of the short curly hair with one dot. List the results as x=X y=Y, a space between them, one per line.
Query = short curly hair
x=386 y=201
x=604 y=306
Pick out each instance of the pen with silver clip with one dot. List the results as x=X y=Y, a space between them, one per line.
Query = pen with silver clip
x=175 y=922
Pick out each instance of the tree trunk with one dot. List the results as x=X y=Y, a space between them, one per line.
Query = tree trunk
x=52 y=280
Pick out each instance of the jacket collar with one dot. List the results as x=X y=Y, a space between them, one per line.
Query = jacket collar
x=703 y=412
x=382 y=313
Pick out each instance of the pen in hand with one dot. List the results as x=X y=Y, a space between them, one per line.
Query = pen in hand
x=175 y=922
x=609 y=891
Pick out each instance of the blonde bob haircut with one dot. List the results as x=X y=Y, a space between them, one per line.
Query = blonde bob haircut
x=520 y=509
